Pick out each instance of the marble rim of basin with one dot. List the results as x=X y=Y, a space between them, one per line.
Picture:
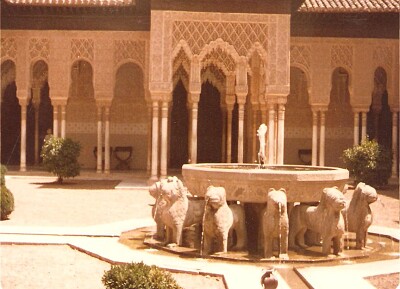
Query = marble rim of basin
x=249 y=183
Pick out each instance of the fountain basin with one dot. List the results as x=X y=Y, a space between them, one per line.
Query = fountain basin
x=249 y=184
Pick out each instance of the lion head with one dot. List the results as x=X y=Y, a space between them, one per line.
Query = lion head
x=172 y=189
x=215 y=197
x=333 y=198
x=365 y=193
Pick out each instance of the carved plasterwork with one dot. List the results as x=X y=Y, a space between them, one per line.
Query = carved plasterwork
x=221 y=59
x=342 y=55
x=39 y=48
x=181 y=60
x=82 y=48
x=8 y=48
x=199 y=33
x=382 y=56
x=300 y=56
x=181 y=74
x=132 y=50
x=215 y=76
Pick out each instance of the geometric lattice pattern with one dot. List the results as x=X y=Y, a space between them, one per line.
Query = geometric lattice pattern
x=39 y=47
x=126 y=49
x=82 y=48
x=382 y=55
x=240 y=35
x=342 y=55
x=8 y=47
x=221 y=58
x=182 y=60
x=300 y=54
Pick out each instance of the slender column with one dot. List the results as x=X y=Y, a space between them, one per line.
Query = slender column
x=356 y=128
x=149 y=139
x=229 y=110
x=154 y=144
x=36 y=105
x=55 y=120
x=164 y=139
x=254 y=128
x=263 y=110
x=223 y=149
x=395 y=147
x=281 y=133
x=240 y=132
x=314 y=150
x=322 y=139
x=363 y=125
x=99 y=139
x=106 y=140
x=63 y=114
x=193 y=130
x=271 y=133
x=23 y=138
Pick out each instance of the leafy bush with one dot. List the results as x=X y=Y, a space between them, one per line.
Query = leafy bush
x=138 y=276
x=7 y=198
x=369 y=163
x=60 y=157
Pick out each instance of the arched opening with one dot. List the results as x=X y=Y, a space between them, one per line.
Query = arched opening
x=41 y=113
x=10 y=116
x=209 y=125
x=298 y=120
x=379 y=120
x=179 y=128
x=339 y=119
x=128 y=118
x=82 y=127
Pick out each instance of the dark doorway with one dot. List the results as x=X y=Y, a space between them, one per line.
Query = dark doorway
x=209 y=129
x=10 y=126
x=179 y=128
x=45 y=115
x=379 y=123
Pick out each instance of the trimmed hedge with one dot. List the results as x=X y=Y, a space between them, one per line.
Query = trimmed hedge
x=138 y=276
x=7 y=198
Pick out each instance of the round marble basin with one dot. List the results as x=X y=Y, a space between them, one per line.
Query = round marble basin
x=250 y=184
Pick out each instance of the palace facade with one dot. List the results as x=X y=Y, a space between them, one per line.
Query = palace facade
x=157 y=84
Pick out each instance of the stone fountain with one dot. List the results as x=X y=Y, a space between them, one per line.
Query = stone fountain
x=257 y=212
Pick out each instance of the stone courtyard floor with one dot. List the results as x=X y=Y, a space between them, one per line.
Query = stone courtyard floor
x=66 y=236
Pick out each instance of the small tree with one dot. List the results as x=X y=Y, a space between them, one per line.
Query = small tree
x=60 y=157
x=369 y=162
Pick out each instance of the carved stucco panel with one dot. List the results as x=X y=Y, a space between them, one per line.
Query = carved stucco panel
x=39 y=48
x=130 y=50
x=382 y=56
x=82 y=48
x=8 y=48
x=342 y=55
x=300 y=56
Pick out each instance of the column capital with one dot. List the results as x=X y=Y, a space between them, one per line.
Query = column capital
x=58 y=101
x=103 y=102
x=317 y=108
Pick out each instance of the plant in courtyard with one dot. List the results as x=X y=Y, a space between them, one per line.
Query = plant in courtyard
x=138 y=276
x=369 y=162
x=60 y=157
x=7 y=198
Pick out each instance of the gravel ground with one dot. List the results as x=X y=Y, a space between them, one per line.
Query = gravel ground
x=82 y=202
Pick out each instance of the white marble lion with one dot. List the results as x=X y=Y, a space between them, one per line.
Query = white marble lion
x=325 y=219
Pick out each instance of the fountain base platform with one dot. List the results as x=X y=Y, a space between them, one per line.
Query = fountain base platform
x=378 y=248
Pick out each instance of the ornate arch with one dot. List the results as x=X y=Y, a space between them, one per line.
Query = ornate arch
x=215 y=76
x=39 y=72
x=221 y=54
x=8 y=72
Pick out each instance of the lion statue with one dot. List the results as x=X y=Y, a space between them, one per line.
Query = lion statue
x=325 y=219
x=358 y=215
x=218 y=220
x=179 y=212
x=275 y=223
x=158 y=207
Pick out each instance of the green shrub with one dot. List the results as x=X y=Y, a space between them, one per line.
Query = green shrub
x=60 y=157
x=369 y=163
x=7 y=198
x=3 y=171
x=138 y=276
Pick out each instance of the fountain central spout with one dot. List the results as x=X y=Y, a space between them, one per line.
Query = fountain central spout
x=262 y=130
